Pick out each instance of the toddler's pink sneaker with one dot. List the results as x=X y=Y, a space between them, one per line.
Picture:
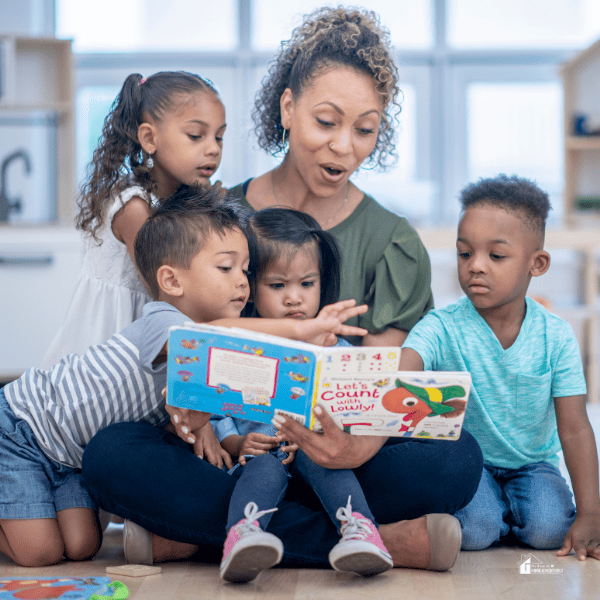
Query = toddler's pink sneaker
x=248 y=549
x=361 y=549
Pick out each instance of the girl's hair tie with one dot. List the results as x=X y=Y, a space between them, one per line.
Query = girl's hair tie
x=142 y=81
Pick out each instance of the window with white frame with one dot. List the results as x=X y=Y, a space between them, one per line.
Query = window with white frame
x=480 y=82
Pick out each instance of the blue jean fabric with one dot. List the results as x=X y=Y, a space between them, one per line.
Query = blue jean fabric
x=264 y=480
x=33 y=486
x=332 y=487
x=150 y=476
x=533 y=503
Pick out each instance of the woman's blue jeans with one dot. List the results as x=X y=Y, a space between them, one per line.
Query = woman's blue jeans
x=533 y=502
x=150 y=476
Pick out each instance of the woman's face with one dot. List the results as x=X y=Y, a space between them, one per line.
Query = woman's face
x=332 y=127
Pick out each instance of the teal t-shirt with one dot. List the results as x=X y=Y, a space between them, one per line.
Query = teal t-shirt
x=511 y=408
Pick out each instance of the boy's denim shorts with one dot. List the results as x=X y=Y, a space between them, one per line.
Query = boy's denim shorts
x=32 y=486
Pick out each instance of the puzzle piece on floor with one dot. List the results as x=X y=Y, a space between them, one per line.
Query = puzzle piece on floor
x=133 y=570
x=74 y=588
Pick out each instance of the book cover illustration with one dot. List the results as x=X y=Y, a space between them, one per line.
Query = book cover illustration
x=426 y=405
x=63 y=588
x=224 y=372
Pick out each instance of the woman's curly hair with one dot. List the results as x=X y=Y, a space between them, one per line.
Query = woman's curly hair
x=119 y=160
x=330 y=37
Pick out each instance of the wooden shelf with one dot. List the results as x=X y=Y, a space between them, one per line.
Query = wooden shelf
x=581 y=84
x=36 y=75
x=52 y=107
x=582 y=142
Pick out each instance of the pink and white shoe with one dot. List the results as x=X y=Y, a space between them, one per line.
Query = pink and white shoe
x=361 y=549
x=248 y=549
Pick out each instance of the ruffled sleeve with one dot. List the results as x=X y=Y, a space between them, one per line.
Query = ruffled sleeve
x=400 y=293
x=123 y=198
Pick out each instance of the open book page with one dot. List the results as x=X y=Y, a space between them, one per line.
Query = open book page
x=426 y=405
x=240 y=374
x=351 y=368
x=235 y=372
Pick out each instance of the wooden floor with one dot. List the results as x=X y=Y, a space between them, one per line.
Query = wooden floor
x=494 y=574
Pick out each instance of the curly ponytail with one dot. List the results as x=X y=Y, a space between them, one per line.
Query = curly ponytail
x=119 y=157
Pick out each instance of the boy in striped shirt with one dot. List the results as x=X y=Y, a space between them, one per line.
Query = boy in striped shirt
x=193 y=255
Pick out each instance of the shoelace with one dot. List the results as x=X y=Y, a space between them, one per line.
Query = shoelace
x=352 y=528
x=252 y=514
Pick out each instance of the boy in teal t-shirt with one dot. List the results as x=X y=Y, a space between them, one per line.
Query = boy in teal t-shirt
x=527 y=397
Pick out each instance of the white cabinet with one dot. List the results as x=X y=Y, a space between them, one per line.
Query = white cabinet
x=38 y=272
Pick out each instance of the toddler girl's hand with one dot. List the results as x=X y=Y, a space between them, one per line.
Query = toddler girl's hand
x=329 y=323
x=255 y=444
x=332 y=449
x=291 y=450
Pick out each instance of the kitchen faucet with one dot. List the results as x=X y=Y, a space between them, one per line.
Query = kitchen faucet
x=6 y=205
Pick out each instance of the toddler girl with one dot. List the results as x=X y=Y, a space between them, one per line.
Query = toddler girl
x=161 y=132
x=295 y=270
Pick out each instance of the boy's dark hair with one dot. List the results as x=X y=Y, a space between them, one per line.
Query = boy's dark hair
x=272 y=232
x=176 y=231
x=515 y=194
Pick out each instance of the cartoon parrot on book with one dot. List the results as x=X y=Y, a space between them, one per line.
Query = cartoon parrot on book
x=420 y=402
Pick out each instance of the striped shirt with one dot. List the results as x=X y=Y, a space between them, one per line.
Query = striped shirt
x=113 y=382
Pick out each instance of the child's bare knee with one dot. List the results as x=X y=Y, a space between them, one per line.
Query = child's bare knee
x=81 y=533
x=84 y=547
x=40 y=552
x=32 y=542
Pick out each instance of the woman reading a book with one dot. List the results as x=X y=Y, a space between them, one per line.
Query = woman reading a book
x=329 y=106
x=331 y=100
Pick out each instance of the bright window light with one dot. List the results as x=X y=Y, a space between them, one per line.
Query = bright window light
x=148 y=25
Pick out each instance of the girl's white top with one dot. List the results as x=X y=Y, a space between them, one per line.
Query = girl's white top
x=109 y=294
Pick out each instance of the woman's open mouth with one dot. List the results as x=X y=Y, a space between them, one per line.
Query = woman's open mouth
x=333 y=172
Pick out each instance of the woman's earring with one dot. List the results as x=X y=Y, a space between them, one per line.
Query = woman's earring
x=150 y=161
x=283 y=138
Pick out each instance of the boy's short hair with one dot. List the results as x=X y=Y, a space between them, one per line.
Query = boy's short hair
x=514 y=194
x=177 y=229
x=274 y=232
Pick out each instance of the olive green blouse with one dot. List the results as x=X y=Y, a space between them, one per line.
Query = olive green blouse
x=384 y=264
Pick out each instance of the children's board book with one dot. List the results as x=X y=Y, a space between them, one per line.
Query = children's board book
x=237 y=373
x=63 y=588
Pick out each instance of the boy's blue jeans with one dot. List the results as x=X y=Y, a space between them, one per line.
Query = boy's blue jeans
x=533 y=502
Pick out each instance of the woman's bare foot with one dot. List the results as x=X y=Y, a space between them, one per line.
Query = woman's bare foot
x=408 y=543
x=164 y=550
